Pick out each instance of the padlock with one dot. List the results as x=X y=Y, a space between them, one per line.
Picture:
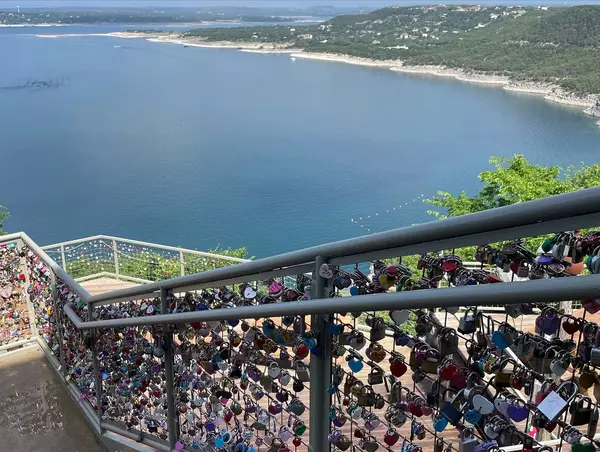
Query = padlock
x=503 y=379
x=366 y=396
x=513 y=310
x=550 y=354
x=377 y=329
x=595 y=352
x=448 y=342
x=523 y=269
x=581 y=410
x=431 y=361
x=554 y=404
x=571 y=435
x=395 y=393
x=453 y=410
x=375 y=377
x=593 y=422
x=417 y=355
x=439 y=445
x=486 y=446
x=587 y=378
x=467 y=323
x=302 y=371
x=467 y=441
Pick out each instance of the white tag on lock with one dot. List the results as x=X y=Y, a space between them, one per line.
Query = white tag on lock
x=552 y=405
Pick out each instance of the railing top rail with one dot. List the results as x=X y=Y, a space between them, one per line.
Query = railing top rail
x=537 y=291
x=537 y=213
x=146 y=244
x=57 y=269
x=541 y=214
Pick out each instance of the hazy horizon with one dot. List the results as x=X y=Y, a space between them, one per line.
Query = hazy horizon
x=370 y=4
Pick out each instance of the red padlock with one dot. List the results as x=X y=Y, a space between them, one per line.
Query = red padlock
x=447 y=371
x=391 y=437
x=571 y=325
x=415 y=409
x=398 y=368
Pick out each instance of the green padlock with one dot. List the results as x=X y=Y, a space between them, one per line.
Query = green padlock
x=299 y=428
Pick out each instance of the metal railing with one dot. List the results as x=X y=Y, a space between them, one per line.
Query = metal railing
x=159 y=327
x=132 y=260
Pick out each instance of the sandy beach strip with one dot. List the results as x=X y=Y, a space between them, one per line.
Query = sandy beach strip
x=31 y=25
x=549 y=92
x=241 y=46
x=115 y=34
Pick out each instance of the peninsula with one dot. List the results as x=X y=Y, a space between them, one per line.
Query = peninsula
x=540 y=50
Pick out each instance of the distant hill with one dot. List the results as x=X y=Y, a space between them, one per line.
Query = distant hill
x=555 y=45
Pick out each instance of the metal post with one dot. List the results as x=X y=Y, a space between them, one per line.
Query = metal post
x=58 y=319
x=170 y=376
x=567 y=308
x=320 y=370
x=116 y=255
x=98 y=378
x=63 y=262
x=182 y=262
x=30 y=309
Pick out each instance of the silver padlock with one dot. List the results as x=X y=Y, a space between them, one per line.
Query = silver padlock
x=467 y=442
x=555 y=404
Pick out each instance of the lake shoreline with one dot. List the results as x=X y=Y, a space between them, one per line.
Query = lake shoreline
x=552 y=93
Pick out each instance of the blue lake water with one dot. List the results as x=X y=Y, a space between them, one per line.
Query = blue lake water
x=203 y=147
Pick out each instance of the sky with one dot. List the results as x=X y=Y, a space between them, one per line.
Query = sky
x=265 y=3
x=369 y=4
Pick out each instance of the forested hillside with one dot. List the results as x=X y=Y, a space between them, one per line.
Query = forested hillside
x=557 y=45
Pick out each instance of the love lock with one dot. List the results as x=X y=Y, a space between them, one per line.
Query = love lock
x=557 y=401
x=581 y=409
x=467 y=441
x=482 y=404
x=467 y=324
x=595 y=352
x=560 y=364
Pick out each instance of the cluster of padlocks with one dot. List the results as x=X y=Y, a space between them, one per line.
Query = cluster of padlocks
x=402 y=380
x=14 y=315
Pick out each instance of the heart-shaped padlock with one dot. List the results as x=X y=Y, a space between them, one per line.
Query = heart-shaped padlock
x=399 y=316
x=518 y=411
x=391 y=437
x=398 y=367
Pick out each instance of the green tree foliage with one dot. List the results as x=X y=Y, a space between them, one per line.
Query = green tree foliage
x=515 y=180
x=3 y=216
x=154 y=266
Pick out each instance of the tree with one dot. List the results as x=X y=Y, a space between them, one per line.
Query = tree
x=3 y=216
x=515 y=180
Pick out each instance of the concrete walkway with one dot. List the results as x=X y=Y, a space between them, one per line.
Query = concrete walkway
x=36 y=412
